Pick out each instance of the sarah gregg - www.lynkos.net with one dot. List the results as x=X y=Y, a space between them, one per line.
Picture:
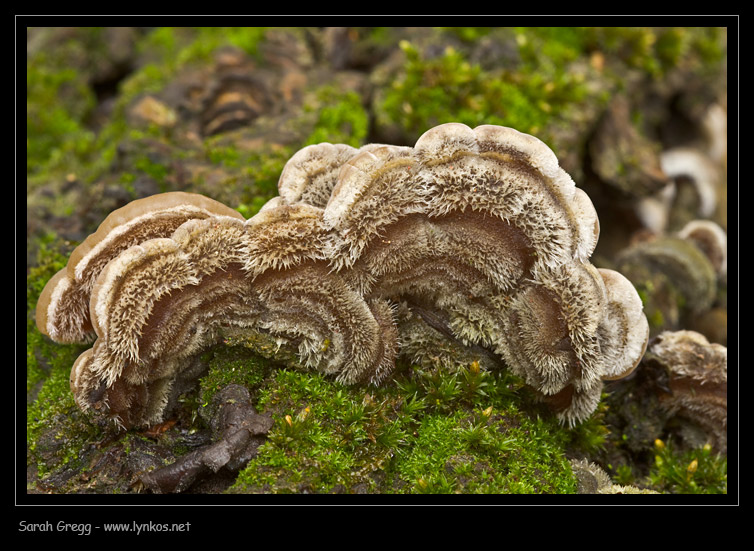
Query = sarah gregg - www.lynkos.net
x=85 y=529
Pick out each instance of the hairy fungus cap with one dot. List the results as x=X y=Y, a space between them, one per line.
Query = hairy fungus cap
x=483 y=226
x=374 y=188
x=514 y=177
x=285 y=235
x=592 y=479
x=697 y=381
x=63 y=308
x=477 y=230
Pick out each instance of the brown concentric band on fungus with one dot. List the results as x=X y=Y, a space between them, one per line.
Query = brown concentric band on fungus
x=63 y=307
x=511 y=175
x=480 y=230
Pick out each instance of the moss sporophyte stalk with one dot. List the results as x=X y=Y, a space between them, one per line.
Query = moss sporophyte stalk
x=695 y=471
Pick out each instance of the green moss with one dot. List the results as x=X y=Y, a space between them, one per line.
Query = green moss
x=155 y=170
x=207 y=40
x=54 y=409
x=624 y=475
x=633 y=45
x=170 y=49
x=504 y=453
x=670 y=47
x=546 y=82
x=227 y=156
x=232 y=365
x=431 y=431
x=54 y=129
x=591 y=436
x=658 y=50
x=254 y=174
x=697 y=471
x=420 y=98
x=467 y=431
x=341 y=118
x=709 y=44
x=59 y=101
x=324 y=436
x=149 y=78
x=449 y=88
x=425 y=434
x=332 y=115
x=47 y=365
x=553 y=46
x=55 y=429
x=468 y=34
x=175 y=47
x=39 y=350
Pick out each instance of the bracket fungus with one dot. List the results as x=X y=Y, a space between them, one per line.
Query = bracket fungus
x=63 y=308
x=682 y=270
x=697 y=386
x=478 y=231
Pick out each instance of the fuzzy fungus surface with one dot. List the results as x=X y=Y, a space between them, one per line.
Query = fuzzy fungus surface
x=63 y=307
x=478 y=232
x=697 y=388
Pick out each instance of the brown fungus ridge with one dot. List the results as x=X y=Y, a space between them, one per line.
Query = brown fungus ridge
x=62 y=311
x=374 y=188
x=551 y=338
x=311 y=174
x=624 y=331
x=483 y=250
x=285 y=235
x=161 y=303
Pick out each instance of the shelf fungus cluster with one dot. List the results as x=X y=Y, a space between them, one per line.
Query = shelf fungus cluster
x=478 y=232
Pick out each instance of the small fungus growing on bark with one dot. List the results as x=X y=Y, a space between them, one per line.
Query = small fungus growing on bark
x=697 y=383
x=711 y=240
x=477 y=231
